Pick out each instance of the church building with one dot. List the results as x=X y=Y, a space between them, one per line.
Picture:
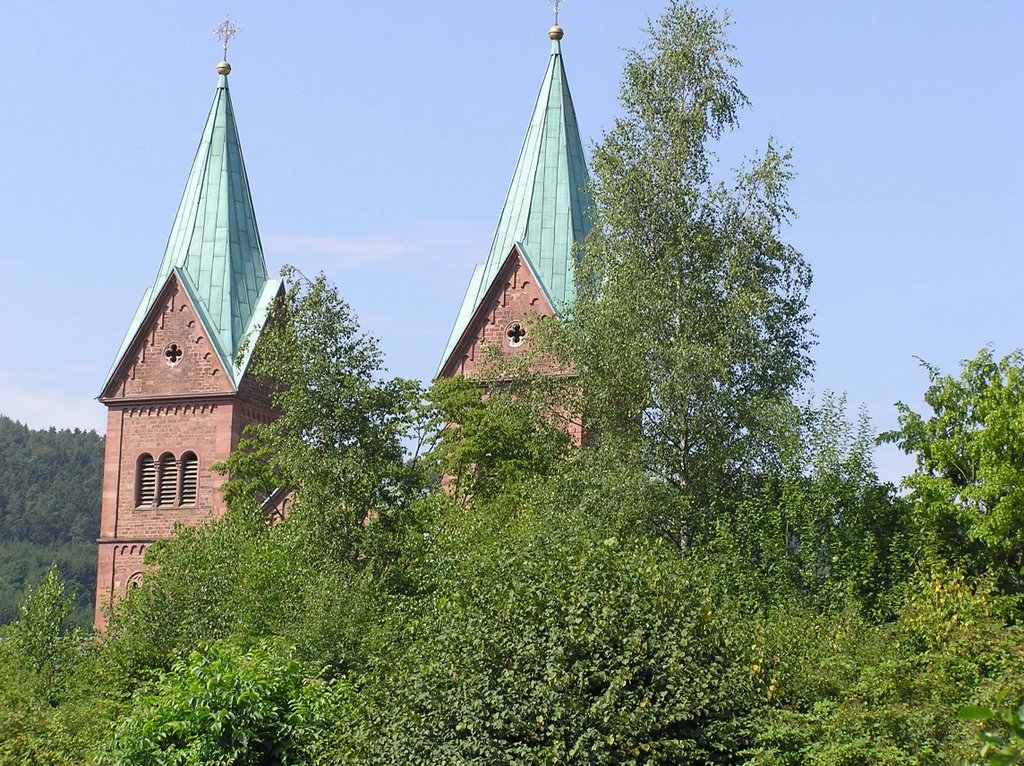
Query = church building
x=177 y=394
x=529 y=272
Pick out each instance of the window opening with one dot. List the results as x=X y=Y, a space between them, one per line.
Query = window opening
x=168 y=480
x=146 y=482
x=516 y=334
x=189 y=478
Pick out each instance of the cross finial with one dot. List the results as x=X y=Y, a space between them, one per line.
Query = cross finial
x=557 y=5
x=226 y=33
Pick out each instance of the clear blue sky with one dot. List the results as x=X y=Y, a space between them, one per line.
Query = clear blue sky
x=380 y=138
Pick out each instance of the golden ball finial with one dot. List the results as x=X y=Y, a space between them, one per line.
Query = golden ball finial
x=556 y=33
x=224 y=68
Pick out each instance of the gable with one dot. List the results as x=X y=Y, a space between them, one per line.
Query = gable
x=515 y=297
x=548 y=208
x=171 y=353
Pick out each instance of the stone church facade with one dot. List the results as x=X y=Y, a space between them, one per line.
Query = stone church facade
x=178 y=393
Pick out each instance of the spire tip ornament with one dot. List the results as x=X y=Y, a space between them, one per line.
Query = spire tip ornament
x=557 y=6
x=226 y=32
x=556 y=32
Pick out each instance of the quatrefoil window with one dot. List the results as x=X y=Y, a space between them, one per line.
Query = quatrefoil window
x=516 y=334
x=173 y=354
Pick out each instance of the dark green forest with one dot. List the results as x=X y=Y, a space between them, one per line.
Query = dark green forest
x=50 y=484
x=716 y=576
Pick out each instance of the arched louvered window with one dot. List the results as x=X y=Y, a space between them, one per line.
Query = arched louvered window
x=189 y=478
x=167 y=480
x=145 y=481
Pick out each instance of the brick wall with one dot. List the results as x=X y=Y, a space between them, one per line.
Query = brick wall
x=512 y=304
x=165 y=405
x=171 y=355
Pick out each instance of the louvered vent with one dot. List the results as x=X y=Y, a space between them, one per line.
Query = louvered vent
x=146 y=480
x=168 y=480
x=189 y=478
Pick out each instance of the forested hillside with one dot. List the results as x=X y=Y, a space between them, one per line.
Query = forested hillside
x=50 y=483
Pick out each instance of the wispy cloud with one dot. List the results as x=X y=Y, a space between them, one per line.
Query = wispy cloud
x=335 y=252
x=417 y=244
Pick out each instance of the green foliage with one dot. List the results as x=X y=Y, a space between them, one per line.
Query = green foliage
x=968 y=490
x=823 y=528
x=690 y=333
x=225 y=705
x=49 y=484
x=25 y=564
x=337 y=440
x=546 y=641
x=56 y=698
x=488 y=439
x=219 y=580
x=358 y=515
x=311 y=581
x=49 y=512
x=38 y=633
x=238 y=579
x=38 y=636
x=1005 y=745
x=717 y=577
x=895 y=702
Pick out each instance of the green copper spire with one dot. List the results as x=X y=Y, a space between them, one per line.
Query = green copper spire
x=214 y=244
x=214 y=238
x=547 y=208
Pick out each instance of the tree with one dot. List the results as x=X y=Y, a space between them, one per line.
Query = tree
x=888 y=694
x=40 y=633
x=548 y=638
x=486 y=440
x=824 y=528
x=49 y=484
x=968 y=490
x=225 y=705
x=337 y=444
x=1005 y=745
x=230 y=578
x=690 y=333
x=337 y=439
x=49 y=491
x=56 y=697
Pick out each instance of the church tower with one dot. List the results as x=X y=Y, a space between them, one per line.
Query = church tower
x=529 y=271
x=177 y=394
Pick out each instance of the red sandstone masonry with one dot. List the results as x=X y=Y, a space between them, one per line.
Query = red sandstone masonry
x=145 y=371
x=513 y=297
x=157 y=408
